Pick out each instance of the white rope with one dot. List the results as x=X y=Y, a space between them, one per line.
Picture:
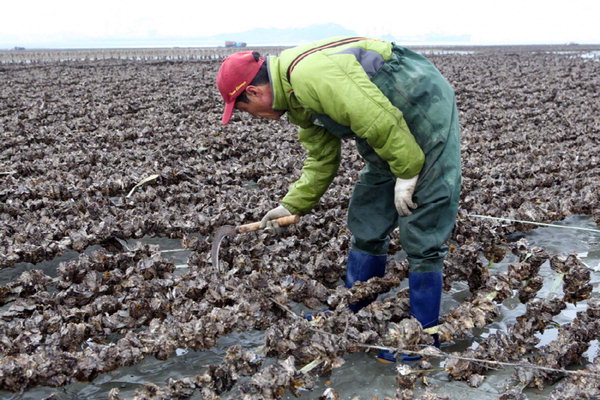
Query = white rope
x=534 y=223
x=438 y=353
x=435 y=352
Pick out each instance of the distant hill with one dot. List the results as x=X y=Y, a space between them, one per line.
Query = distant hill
x=254 y=37
x=285 y=36
x=295 y=36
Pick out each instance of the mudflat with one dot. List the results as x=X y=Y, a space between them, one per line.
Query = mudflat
x=94 y=153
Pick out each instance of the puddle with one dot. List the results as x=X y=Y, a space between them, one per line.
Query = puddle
x=363 y=376
x=595 y=55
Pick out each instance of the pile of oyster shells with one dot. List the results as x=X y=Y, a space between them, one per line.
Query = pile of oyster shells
x=95 y=153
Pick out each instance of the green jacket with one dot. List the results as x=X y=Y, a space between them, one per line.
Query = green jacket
x=332 y=82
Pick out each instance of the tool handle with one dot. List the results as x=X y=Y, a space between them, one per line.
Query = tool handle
x=283 y=221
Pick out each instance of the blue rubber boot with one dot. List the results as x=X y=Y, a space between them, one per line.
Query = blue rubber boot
x=425 y=291
x=361 y=267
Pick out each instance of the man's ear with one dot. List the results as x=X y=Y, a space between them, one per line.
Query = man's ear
x=253 y=91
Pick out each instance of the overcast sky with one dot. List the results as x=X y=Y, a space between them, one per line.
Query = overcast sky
x=40 y=23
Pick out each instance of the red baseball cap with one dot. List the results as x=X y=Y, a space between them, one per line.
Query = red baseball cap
x=235 y=74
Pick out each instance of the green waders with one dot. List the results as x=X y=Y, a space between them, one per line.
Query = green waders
x=427 y=102
x=428 y=105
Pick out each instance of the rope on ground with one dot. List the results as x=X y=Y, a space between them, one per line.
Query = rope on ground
x=534 y=223
x=435 y=352
x=596 y=269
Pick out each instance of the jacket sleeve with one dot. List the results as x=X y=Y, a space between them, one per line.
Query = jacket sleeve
x=338 y=86
x=320 y=167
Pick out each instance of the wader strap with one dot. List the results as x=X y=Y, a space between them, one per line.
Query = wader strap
x=325 y=46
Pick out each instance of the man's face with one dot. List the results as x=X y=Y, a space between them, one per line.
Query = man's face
x=260 y=102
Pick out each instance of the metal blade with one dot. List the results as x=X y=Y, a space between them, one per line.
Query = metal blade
x=216 y=244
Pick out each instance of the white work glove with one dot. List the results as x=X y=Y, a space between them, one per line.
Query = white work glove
x=403 y=192
x=275 y=213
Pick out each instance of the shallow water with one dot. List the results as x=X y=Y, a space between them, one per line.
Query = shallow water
x=595 y=55
x=361 y=375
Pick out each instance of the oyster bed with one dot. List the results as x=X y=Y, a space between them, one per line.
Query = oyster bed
x=94 y=153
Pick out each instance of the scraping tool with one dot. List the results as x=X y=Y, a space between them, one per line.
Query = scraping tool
x=232 y=230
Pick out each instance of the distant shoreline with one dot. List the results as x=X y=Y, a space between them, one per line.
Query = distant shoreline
x=28 y=56
x=574 y=46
